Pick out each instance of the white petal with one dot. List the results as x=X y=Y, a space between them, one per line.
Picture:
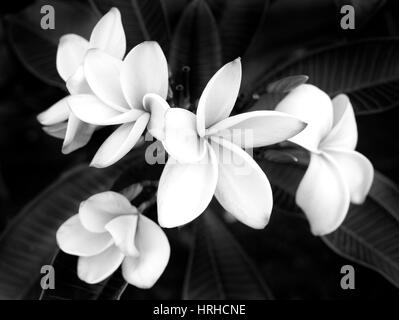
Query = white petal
x=154 y=248
x=70 y=53
x=101 y=208
x=185 y=190
x=357 y=171
x=97 y=268
x=73 y=238
x=76 y=83
x=243 y=188
x=257 y=128
x=181 y=139
x=323 y=195
x=120 y=142
x=144 y=70
x=314 y=107
x=57 y=113
x=344 y=131
x=123 y=231
x=157 y=107
x=77 y=135
x=102 y=72
x=90 y=109
x=56 y=130
x=108 y=34
x=219 y=96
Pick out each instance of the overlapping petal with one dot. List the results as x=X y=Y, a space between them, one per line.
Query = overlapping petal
x=157 y=107
x=77 y=134
x=76 y=83
x=57 y=130
x=123 y=231
x=242 y=188
x=219 y=96
x=144 y=270
x=57 y=113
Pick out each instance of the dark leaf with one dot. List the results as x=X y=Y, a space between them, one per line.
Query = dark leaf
x=368 y=71
x=37 y=48
x=287 y=84
x=142 y=20
x=29 y=242
x=219 y=268
x=195 y=44
x=174 y=9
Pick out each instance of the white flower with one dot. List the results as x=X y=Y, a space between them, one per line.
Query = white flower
x=107 y=232
x=129 y=92
x=337 y=175
x=107 y=35
x=206 y=156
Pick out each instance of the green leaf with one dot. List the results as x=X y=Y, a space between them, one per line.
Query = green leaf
x=369 y=234
x=29 y=242
x=142 y=20
x=195 y=44
x=218 y=266
x=37 y=48
x=367 y=71
x=238 y=22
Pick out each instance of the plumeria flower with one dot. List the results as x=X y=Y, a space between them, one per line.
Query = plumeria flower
x=129 y=93
x=337 y=175
x=206 y=155
x=108 y=36
x=108 y=232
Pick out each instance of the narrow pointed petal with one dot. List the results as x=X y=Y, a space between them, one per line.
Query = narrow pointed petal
x=357 y=171
x=323 y=195
x=312 y=106
x=144 y=70
x=102 y=72
x=123 y=231
x=181 y=139
x=157 y=107
x=120 y=142
x=70 y=53
x=185 y=190
x=219 y=96
x=73 y=238
x=58 y=112
x=77 y=84
x=108 y=34
x=344 y=131
x=101 y=208
x=56 y=130
x=144 y=271
x=77 y=135
x=97 y=268
x=243 y=188
x=257 y=128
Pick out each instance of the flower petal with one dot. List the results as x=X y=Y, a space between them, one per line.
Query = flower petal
x=108 y=34
x=144 y=70
x=157 y=107
x=99 y=267
x=357 y=171
x=323 y=195
x=181 y=139
x=257 y=128
x=73 y=238
x=102 y=72
x=219 y=96
x=70 y=53
x=76 y=83
x=185 y=190
x=56 y=130
x=344 y=131
x=243 y=188
x=120 y=142
x=314 y=107
x=90 y=109
x=123 y=231
x=154 y=249
x=77 y=135
x=58 y=112
x=101 y=208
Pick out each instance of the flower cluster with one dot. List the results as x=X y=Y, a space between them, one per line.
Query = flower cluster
x=206 y=151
